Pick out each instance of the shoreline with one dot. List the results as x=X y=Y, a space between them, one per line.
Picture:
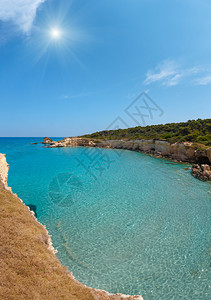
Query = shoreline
x=186 y=152
x=4 y=169
x=78 y=290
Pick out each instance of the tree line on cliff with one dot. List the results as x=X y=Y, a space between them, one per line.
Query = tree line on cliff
x=196 y=131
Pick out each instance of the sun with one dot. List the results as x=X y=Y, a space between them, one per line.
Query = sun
x=55 y=33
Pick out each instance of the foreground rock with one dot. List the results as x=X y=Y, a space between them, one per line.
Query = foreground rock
x=29 y=268
x=202 y=172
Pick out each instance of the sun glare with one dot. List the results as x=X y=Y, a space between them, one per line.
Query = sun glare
x=55 y=33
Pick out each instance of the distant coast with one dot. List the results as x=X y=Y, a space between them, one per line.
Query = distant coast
x=183 y=142
x=181 y=152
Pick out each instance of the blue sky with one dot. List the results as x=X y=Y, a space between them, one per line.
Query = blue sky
x=108 y=53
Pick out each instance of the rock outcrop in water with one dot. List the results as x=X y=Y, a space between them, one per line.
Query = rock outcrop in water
x=73 y=142
x=202 y=172
x=183 y=152
x=48 y=141
x=29 y=268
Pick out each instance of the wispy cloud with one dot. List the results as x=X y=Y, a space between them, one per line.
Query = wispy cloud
x=166 y=70
x=203 y=80
x=174 y=80
x=169 y=73
x=20 y=12
x=81 y=95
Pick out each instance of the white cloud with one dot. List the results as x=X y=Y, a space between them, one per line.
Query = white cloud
x=173 y=80
x=81 y=95
x=169 y=73
x=166 y=70
x=20 y=12
x=203 y=80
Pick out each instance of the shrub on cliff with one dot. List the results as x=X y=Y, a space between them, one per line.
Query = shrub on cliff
x=191 y=131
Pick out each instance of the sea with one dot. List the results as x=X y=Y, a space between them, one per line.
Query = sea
x=121 y=221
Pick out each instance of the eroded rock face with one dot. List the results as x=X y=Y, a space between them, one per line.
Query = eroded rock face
x=73 y=142
x=202 y=172
x=208 y=154
x=3 y=169
x=178 y=151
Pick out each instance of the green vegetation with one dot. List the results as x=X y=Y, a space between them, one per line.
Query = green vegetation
x=198 y=131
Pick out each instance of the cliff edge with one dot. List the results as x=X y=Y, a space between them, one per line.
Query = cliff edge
x=3 y=169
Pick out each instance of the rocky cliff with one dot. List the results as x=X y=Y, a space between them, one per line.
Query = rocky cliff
x=186 y=152
x=3 y=169
x=29 y=267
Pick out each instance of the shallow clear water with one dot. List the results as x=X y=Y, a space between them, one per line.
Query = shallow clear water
x=121 y=221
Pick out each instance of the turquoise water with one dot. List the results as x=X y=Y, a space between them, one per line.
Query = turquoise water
x=121 y=221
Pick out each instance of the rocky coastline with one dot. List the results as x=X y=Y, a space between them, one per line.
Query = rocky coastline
x=77 y=290
x=4 y=168
x=201 y=172
x=181 y=152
